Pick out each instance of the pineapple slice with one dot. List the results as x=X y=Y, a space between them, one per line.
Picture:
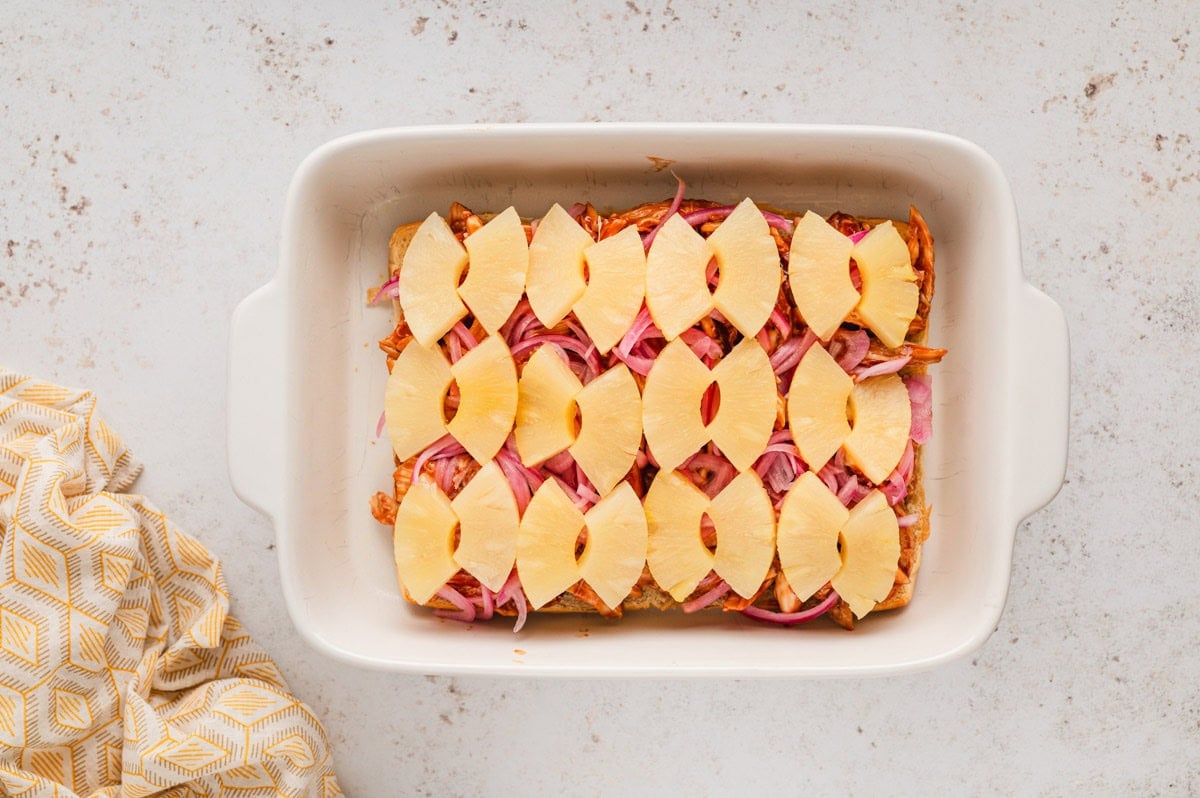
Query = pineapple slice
x=546 y=544
x=487 y=381
x=429 y=275
x=423 y=539
x=816 y=406
x=545 y=407
x=677 y=294
x=671 y=405
x=809 y=523
x=819 y=275
x=615 y=289
x=870 y=552
x=881 y=419
x=889 y=284
x=745 y=524
x=743 y=423
x=610 y=408
x=615 y=553
x=414 y=398
x=499 y=261
x=488 y=522
x=676 y=554
x=555 y=281
x=749 y=268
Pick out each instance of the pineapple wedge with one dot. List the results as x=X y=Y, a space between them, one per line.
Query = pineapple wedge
x=817 y=408
x=610 y=408
x=487 y=382
x=676 y=554
x=743 y=423
x=422 y=540
x=749 y=269
x=615 y=289
x=819 y=275
x=488 y=522
x=429 y=275
x=555 y=281
x=414 y=398
x=889 y=284
x=870 y=551
x=499 y=261
x=745 y=524
x=881 y=419
x=546 y=544
x=615 y=553
x=671 y=405
x=809 y=523
x=677 y=294
x=545 y=406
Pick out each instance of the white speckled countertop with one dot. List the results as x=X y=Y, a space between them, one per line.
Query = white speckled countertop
x=144 y=161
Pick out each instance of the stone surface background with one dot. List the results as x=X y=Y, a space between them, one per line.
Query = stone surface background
x=144 y=157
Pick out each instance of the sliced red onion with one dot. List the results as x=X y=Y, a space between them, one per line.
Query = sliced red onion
x=781 y=474
x=789 y=618
x=855 y=345
x=643 y=327
x=704 y=215
x=790 y=352
x=636 y=363
x=895 y=487
x=886 y=367
x=846 y=493
x=381 y=422
x=702 y=345
x=856 y=237
x=705 y=599
x=576 y=210
x=445 y=446
x=722 y=470
x=562 y=463
x=511 y=591
x=485 y=603
x=466 y=610
x=673 y=209
x=920 y=394
x=464 y=335
x=764 y=339
x=389 y=290
x=781 y=323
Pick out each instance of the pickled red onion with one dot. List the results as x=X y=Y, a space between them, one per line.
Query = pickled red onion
x=445 y=446
x=389 y=290
x=854 y=347
x=879 y=369
x=781 y=323
x=856 y=237
x=379 y=425
x=789 y=618
x=466 y=610
x=920 y=395
x=704 y=215
x=707 y=598
x=486 y=604
x=673 y=209
x=511 y=591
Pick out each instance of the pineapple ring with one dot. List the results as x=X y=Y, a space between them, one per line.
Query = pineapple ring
x=671 y=399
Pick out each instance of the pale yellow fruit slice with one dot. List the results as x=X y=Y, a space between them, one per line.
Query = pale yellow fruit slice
x=555 y=280
x=880 y=420
x=671 y=405
x=676 y=554
x=749 y=268
x=677 y=294
x=744 y=521
x=487 y=383
x=488 y=522
x=545 y=406
x=429 y=275
x=889 y=287
x=819 y=275
x=743 y=423
x=413 y=399
x=807 y=536
x=870 y=551
x=423 y=540
x=546 y=544
x=615 y=553
x=817 y=406
x=615 y=289
x=610 y=410
x=498 y=262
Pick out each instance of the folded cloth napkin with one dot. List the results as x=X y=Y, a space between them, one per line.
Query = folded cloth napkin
x=121 y=670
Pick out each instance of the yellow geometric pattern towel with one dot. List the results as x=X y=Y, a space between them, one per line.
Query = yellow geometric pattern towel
x=122 y=672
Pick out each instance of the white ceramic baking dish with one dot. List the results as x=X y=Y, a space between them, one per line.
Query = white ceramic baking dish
x=306 y=385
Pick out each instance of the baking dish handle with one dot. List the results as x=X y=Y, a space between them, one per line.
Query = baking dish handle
x=256 y=400
x=1043 y=401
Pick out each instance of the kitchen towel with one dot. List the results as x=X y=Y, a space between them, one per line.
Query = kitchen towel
x=122 y=671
